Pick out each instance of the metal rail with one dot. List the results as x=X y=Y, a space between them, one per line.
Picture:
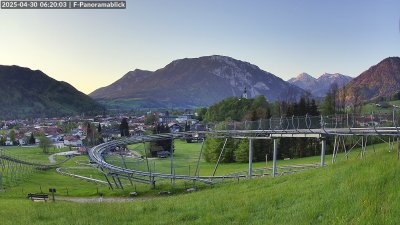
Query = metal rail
x=38 y=165
x=315 y=126
x=61 y=171
x=12 y=170
x=96 y=155
x=381 y=124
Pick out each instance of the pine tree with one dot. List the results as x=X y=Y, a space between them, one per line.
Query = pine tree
x=124 y=128
x=12 y=136
x=313 y=108
x=328 y=105
x=302 y=107
x=187 y=126
x=89 y=134
x=242 y=151
x=31 y=139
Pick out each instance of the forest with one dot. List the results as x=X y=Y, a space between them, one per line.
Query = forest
x=240 y=109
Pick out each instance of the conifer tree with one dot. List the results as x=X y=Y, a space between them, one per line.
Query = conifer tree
x=31 y=139
x=124 y=128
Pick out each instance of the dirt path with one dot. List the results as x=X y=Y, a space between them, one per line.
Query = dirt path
x=136 y=154
x=99 y=199
x=52 y=159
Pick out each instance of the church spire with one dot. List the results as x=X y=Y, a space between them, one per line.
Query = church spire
x=244 y=95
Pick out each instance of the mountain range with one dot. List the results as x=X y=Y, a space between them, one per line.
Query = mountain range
x=184 y=83
x=31 y=93
x=321 y=86
x=195 y=82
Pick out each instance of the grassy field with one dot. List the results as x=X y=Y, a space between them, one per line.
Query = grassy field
x=32 y=153
x=347 y=192
x=186 y=156
x=372 y=108
x=185 y=160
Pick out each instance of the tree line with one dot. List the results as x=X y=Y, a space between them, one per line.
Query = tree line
x=237 y=109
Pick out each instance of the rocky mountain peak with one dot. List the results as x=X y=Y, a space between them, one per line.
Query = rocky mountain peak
x=319 y=87
x=302 y=77
x=202 y=81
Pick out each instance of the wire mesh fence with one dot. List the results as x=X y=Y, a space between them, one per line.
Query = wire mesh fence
x=338 y=121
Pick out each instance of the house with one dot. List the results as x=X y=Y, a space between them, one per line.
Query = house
x=83 y=150
x=54 y=138
x=73 y=141
x=137 y=131
x=185 y=117
x=167 y=119
x=163 y=154
x=174 y=127
x=21 y=141
x=197 y=127
x=54 y=131
x=77 y=132
x=59 y=145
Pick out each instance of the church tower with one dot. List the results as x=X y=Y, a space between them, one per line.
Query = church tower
x=244 y=95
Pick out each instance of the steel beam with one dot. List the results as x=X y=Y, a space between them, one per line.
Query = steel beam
x=297 y=135
x=219 y=158
x=323 y=149
x=274 y=158
x=250 y=158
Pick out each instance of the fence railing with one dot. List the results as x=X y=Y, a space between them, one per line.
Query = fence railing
x=313 y=122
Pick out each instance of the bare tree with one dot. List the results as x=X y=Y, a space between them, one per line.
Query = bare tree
x=357 y=99
x=288 y=96
x=343 y=93
x=334 y=93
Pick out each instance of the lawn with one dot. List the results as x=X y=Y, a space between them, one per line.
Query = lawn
x=32 y=153
x=185 y=158
x=347 y=192
x=372 y=108
x=185 y=161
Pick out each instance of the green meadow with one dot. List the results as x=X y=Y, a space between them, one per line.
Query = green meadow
x=354 y=191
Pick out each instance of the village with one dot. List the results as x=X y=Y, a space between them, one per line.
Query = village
x=80 y=132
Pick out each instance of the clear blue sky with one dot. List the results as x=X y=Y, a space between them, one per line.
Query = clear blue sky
x=93 y=48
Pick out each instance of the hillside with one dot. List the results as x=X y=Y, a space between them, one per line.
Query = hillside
x=379 y=81
x=348 y=192
x=28 y=93
x=320 y=86
x=194 y=82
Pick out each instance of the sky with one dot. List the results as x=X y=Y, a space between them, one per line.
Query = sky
x=93 y=48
